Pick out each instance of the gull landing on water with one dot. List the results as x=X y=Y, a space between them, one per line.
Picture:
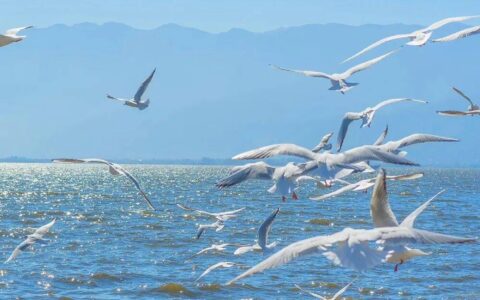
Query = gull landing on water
x=473 y=109
x=366 y=116
x=37 y=236
x=417 y=38
x=10 y=36
x=339 y=80
x=262 y=235
x=114 y=169
x=137 y=99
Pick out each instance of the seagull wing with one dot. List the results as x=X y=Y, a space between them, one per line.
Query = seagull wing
x=347 y=119
x=343 y=290
x=396 y=100
x=277 y=149
x=378 y=43
x=143 y=87
x=459 y=34
x=305 y=73
x=41 y=231
x=411 y=176
x=413 y=139
x=21 y=247
x=452 y=113
x=364 y=65
x=232 y=212
x=215 y=266
x=119 y=169
x=410 y=219
x=342 y=190
x=446 y=21
x=258 y=170
x=463 y=95
x=14 y=31
x=265 y=229
x=382 y=137
x=366 y=153
x=323 y=142
x=380 y=210
x=311 y=293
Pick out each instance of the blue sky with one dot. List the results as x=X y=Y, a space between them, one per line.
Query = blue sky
x=222 y=15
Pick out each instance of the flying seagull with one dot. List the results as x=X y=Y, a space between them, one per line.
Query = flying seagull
x=459 y=35
x=284 y=178
x=365 y=184
x=473 y=109
x=224 y=264
x=366 y=116
x=324 y=144
x=339 y=81
x=417 y=38
x=137 y=99
x=335 y=297
x=10 y=36
x=37 y=236
x=350 y=247
x=217 y=225
x=113 y=168
x=262 y=242
x=214 y=248
x=221 y=216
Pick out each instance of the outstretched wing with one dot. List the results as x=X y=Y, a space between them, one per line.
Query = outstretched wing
x=413 y=139
x=378 y=43
x=446 y=21
x=382 y=137
x=463 y=95
x=14 y=31
x=143 y=87
x=135 y=182
x=380 y=210
x=342 y=132
x=410 y=219
x=265 y=229
x=452 y=113
x=396 y=100
x=118 y=99
x=364 y=65
x=366 y=153
x=305 y=73
x=258 y=170
x=342 y=190
x=459 y=34
x=277 y=149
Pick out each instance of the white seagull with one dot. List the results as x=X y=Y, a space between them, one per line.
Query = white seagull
x=214 y=248
x=37 y=236
x=473 y=109
x=350 y=247
x=459 y=35
x=221 y=216
x=284 y=178
x=113 y=168
x=217 y=225
x=383 y=216
x=325 y=164
x=137 y=99
x=324 y=144
x=262 y=242
x=339 y=80
x=365 y=184
x=417 y=38
x=335 y=297
x=10 y=36
x=366 y=116
x=223 y=264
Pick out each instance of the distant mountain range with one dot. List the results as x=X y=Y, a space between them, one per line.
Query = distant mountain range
x=214 y=95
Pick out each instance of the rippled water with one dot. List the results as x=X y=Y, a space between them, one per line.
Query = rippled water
x=106 y=244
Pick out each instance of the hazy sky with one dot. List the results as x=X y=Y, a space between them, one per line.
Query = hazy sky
x=221 y=15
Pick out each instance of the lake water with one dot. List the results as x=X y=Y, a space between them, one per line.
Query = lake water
x=106 y=244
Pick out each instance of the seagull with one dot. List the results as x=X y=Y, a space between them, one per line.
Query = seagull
x=137 y=99
x=350 y=247
x=366 y=116
x=326 y=165
x=324 y=144
x=213 y=248
x=338 y=81
x=113 y=168
x=365 y=184
x=459 y=35
x=417 y=38
x=220 y=216
x=224 y=264
x=262 y=234
x=283 y=177
x=10 y=36
x=217 y=225
x=473 y=109
x=37 y=236
x=335 y=297
x=383 y=216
